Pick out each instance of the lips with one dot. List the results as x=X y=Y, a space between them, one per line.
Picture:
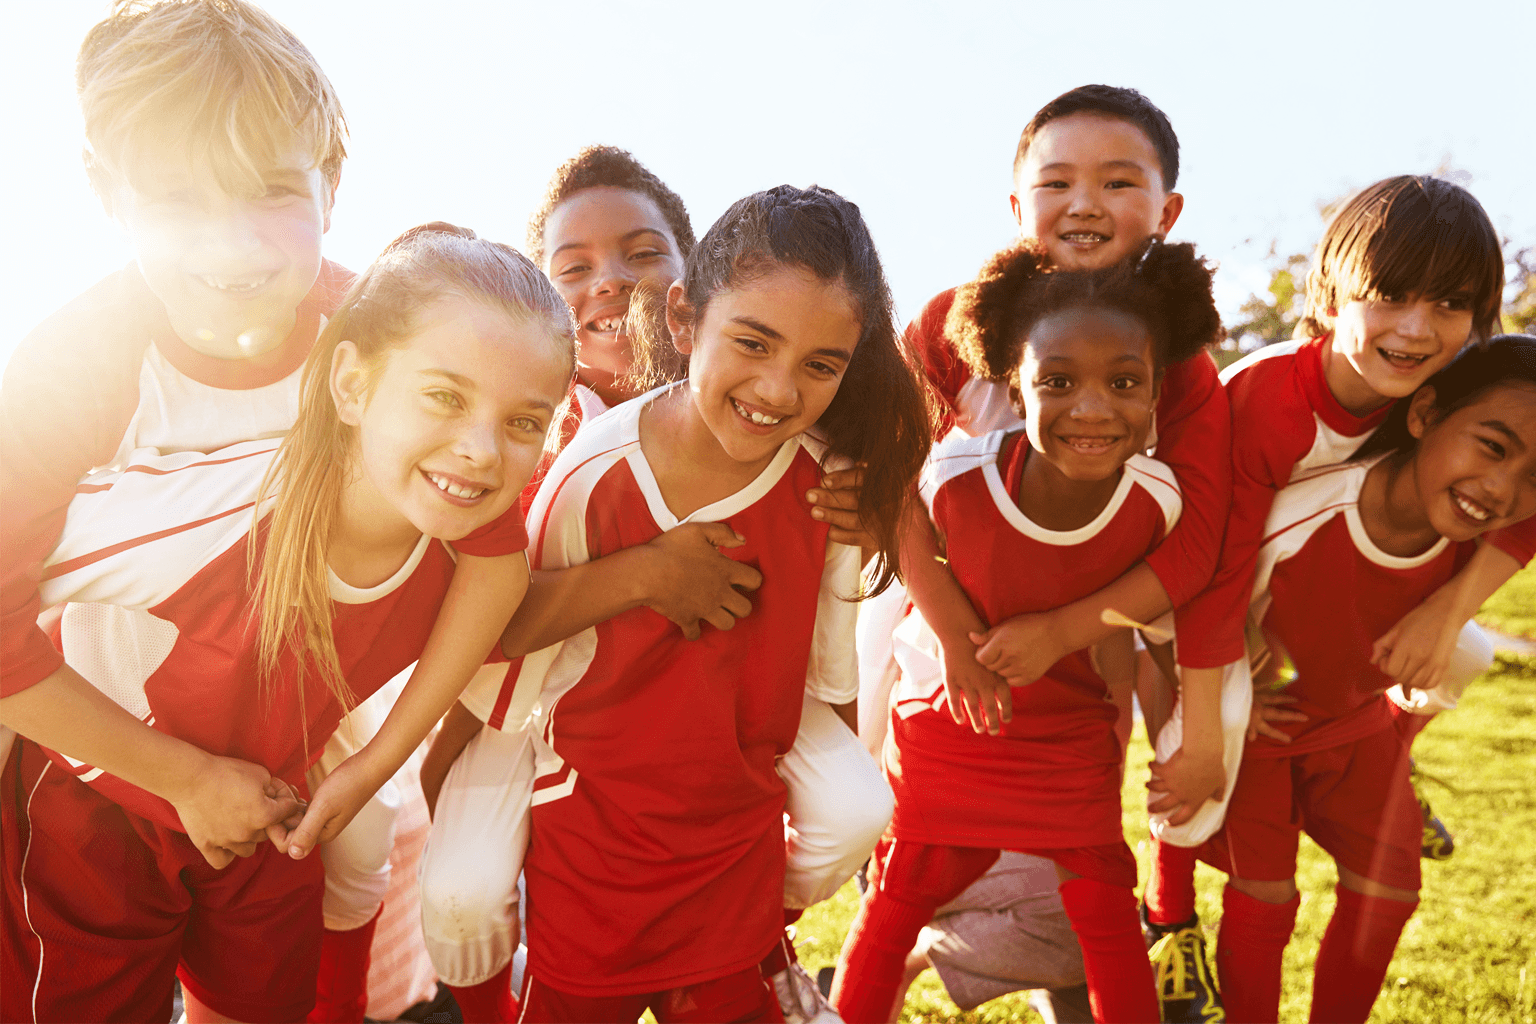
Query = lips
x=1083 y=237
x=607 y=320
x=1089 y=444
x=457 y=489
x=237 y=284
x=756 y=416
x=1406 y=361
x=1477 y=513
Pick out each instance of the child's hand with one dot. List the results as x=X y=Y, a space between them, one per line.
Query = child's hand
x=1020 y=649
x=975 y=695
x=229 y=806
x=334 y=804
x=1417 y=650
x=1184 y=782
x=837 y=504
x=695 y=583
x=1269 y=706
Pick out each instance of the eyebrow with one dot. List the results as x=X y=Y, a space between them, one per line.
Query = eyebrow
x=1127 y=358
x=627 y=237
x=1500 y=427
x=1063 y=165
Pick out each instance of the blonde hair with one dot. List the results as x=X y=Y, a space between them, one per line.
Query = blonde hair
x=223 y=78
x=291 y=593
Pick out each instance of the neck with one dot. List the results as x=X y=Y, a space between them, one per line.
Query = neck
x=1348 y=387
x=1391 y=511
x=690 y=466
x=247 y=344
x=604 y=386
x=1055 y=501
x=369 y=540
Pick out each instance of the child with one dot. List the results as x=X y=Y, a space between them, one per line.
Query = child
x=1349 y=550
x=445 y=362
x=1407 y=273
x=607 y=231
x=655 y=872
x=1071 y=497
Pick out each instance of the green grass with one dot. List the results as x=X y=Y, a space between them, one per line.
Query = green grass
x=1513 y=609
x=1468 y=954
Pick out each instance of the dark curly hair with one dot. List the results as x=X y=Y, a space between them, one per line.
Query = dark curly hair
x=611 y=167
x=1111 y=101
x=1166 y=287
x=1412 y=234
x=879 y=416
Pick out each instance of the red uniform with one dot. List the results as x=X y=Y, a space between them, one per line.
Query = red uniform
x=1192 y=437
x=167 y=536
x=657 y=855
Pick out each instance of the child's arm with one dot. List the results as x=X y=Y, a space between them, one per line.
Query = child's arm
x=1416 y=651
x=227 y=806
x=459 y=727
x=481 y=598
x=1194 y=774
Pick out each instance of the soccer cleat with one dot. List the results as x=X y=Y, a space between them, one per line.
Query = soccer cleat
x=1185 y=989
x=800 y=999
x=1437 y=842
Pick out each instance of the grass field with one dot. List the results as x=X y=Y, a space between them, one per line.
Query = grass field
x=1468 y=954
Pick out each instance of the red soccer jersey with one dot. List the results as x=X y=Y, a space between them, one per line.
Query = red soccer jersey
x=168 y=536
x=1324 y=592
x=657 y=854
x=1052 y=779
x=1193 y=438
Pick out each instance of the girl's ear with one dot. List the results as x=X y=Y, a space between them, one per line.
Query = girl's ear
x=1016 y=394
x=680 y=319
x=348 y=383
x=1421 y=412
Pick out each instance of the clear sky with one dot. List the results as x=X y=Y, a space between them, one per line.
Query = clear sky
x=460 y=110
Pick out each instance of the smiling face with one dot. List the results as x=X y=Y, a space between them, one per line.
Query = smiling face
x=602 y=242
x=1394 y=345
x=1087 y=390
x=452 y=423
x=1091 y=189
x=766 y=358
x=1474 y=470
x=231 y=270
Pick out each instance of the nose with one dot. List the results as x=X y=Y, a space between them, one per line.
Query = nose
x=232 y=229
x=476 y=443
x=1092 y=405
x=775 y=385
x=1083 y=201
x=614 y=277
x=1417 y=320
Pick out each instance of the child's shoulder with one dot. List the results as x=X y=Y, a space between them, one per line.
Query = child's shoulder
x=959 y=454
x=106 y=328
x=1311 y=500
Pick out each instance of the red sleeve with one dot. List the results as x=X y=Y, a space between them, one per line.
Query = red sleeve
x=932 y=352
x=69 y=393
x=1518 y=541
x=1271 y=431
x=504 y=535
x=1194 y=439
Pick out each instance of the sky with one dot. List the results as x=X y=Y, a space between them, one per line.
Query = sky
x=461 y=110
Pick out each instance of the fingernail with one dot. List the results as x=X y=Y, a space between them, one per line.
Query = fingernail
x=817 y=513
x=813 y=496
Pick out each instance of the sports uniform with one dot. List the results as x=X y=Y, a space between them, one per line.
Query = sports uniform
x=1050 y=783
x=1323 y=592
x=168 y=536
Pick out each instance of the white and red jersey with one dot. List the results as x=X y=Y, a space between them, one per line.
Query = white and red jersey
x=1193 y=438
x=1052 y=778
x=168 y=536
x=582 y=404
x=102 y=378
x=657 y=856
x=1285 y=422
x=1323 y=592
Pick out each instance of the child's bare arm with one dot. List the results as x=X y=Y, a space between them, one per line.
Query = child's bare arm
x=1416 y=651
x=481 y=598
x=1194 y=774
x=680 y=575
x=974 y=693
x=836 y=502
x=459 y=727
x=226 y=805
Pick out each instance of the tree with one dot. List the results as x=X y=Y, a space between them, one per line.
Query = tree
x=1520 y=292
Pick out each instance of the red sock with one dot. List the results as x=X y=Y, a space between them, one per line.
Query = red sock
x=874 y=956
x=1120 y=984
x=1355 y=953
x=1170 y=891
x=341 y=991
x=1249 y=948
x=489 y=1002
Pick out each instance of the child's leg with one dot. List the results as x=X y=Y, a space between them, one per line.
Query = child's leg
x=838 y=806
x=1357 y=948
x=1256 y=924
x=907 y=881
x=1096 y=891
x=469 y=896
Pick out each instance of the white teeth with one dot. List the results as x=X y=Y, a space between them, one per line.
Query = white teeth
x=607 y=323
x=1402 y=358
x=1089 y=442
x=235 y=284
x=757 y=417
x=1085 y=236
x=449 y=487
x=1475 y=511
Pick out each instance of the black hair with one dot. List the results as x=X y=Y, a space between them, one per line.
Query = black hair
x=608 y=167
x=1111 y=101
x=1508 y=360
x=879 y=416
x=1165 y=286
x=1414 y=234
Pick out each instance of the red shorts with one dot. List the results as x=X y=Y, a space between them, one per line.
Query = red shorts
x=924 y=873
x=1354 y=800
x=103 y=909
x=743 y=996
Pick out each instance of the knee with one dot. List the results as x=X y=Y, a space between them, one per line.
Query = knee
x=1282 y=891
